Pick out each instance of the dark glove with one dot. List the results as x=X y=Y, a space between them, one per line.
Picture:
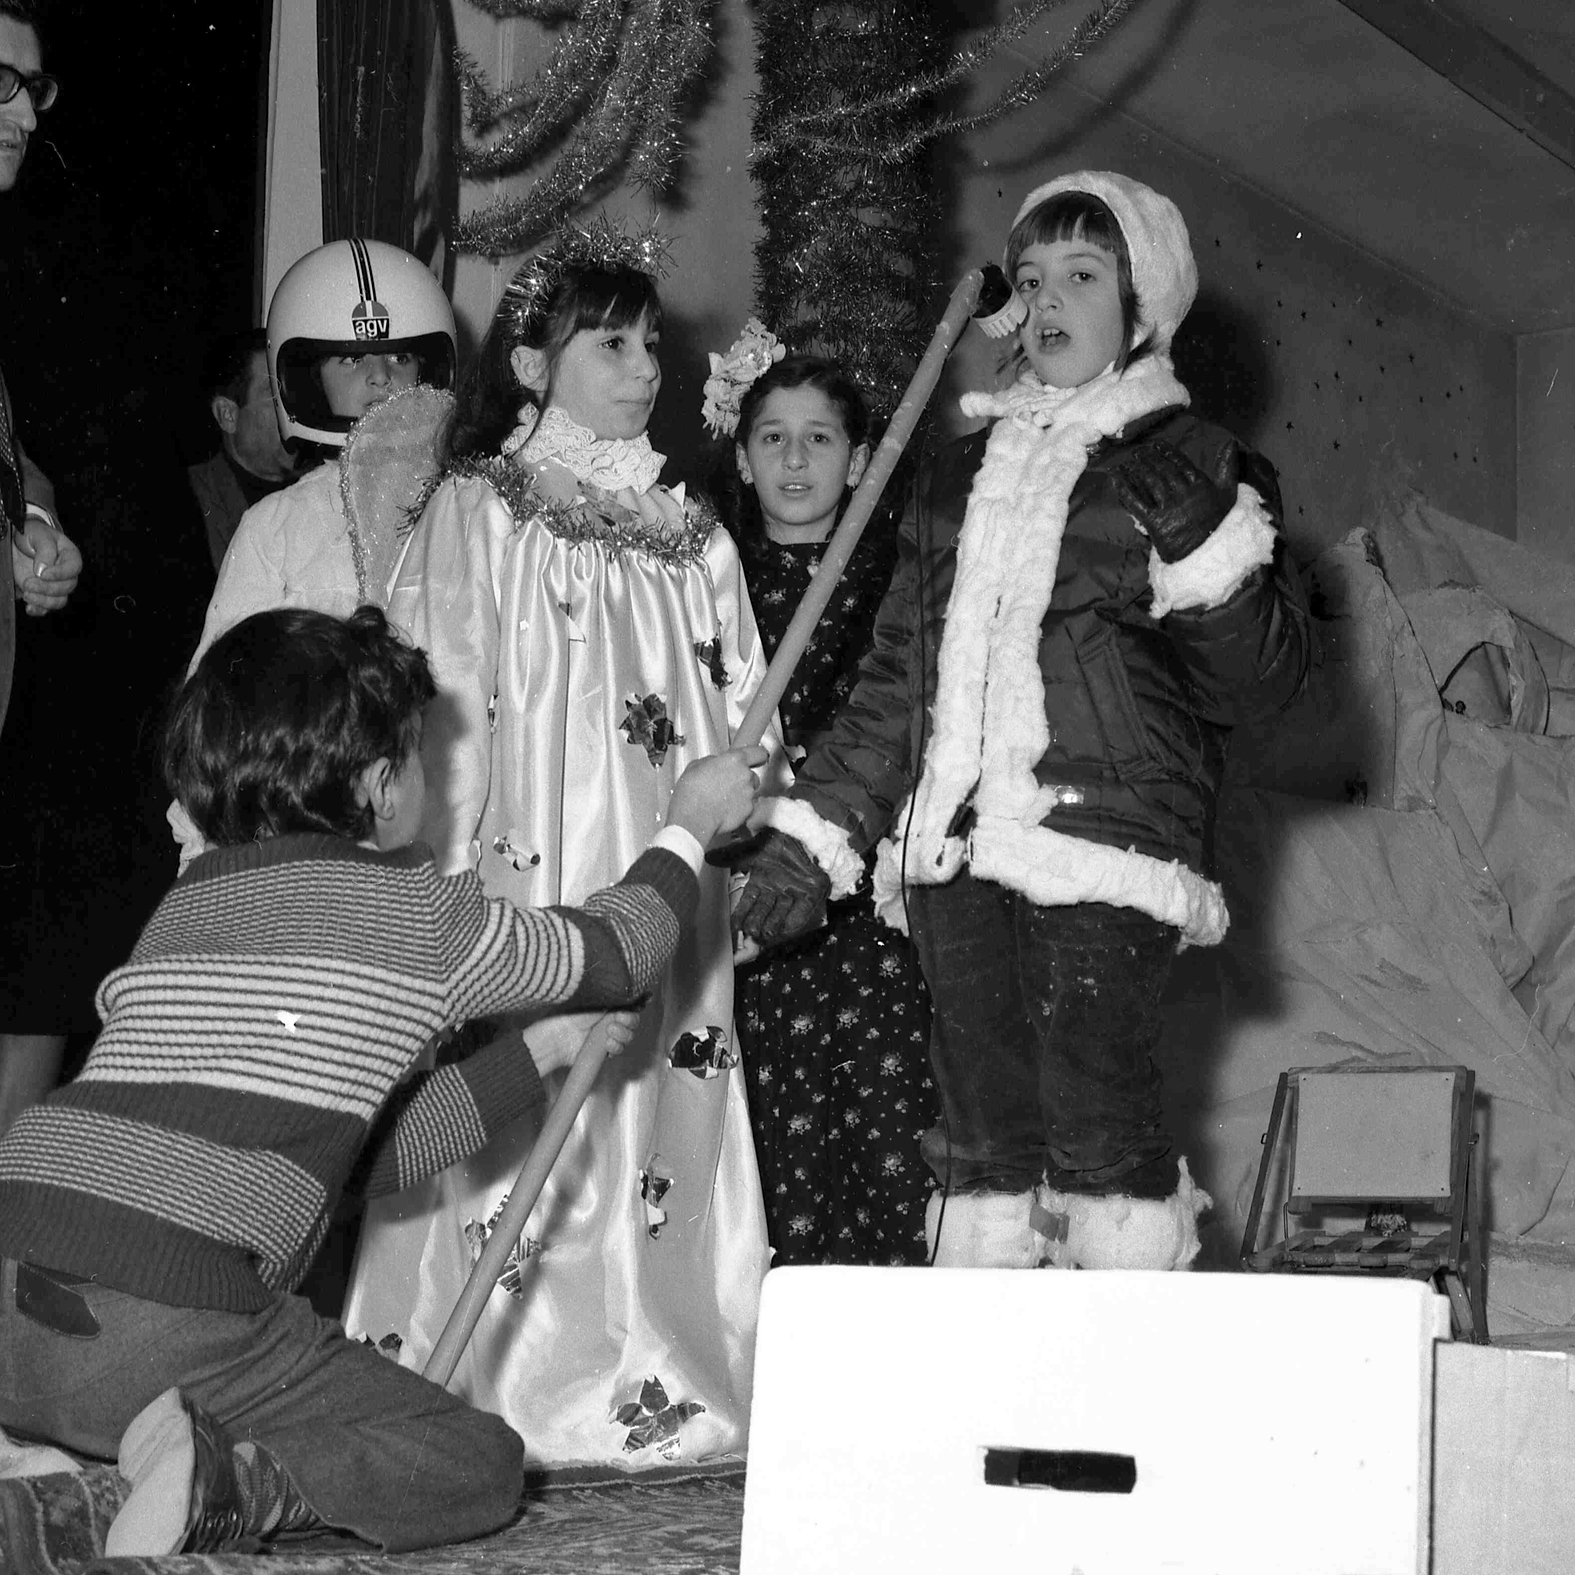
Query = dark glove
x=1176 y=505
x=786 y=894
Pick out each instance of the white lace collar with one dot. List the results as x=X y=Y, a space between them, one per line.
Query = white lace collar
x=609 y=463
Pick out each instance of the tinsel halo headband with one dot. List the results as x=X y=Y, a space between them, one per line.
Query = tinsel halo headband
x=599 y=244
x=751 y=355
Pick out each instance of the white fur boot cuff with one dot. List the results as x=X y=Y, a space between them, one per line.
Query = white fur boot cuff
x=982 y=1230
x=1127 y=1233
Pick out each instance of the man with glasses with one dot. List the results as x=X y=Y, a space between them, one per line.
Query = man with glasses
x=38 y=563
x=42 y=565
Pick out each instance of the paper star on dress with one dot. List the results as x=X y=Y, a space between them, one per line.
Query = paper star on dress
x=647 y=723
x=476 y=1235
x=704 y=1055
x=654 y=1187
x=511 y=848
x=710 y=654
x=654 y=1419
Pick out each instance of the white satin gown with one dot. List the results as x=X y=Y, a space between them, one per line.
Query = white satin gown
x=585 y=652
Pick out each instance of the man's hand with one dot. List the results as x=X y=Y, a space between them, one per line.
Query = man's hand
x=47 y=566
x=1176 y=505
x=785 y=896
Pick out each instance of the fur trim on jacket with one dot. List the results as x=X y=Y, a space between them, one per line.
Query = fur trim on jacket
x=990 y=723
x=1103 y=789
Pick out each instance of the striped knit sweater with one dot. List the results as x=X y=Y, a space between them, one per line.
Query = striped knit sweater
x=278 y=995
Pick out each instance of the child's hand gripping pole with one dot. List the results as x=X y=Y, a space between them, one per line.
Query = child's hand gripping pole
x=982 y=292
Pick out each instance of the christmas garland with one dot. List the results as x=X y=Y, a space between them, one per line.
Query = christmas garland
x=610 y=99
x=848 y=263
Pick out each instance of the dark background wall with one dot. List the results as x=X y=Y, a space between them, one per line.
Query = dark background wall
x=128 y=240
x=130 y=234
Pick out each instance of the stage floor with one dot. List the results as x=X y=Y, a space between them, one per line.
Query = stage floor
x=687 y=1525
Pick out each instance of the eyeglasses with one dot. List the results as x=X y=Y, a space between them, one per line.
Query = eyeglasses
x=43 y=90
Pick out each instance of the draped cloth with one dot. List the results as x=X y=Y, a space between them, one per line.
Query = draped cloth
x=581 y=665
x=388 y=124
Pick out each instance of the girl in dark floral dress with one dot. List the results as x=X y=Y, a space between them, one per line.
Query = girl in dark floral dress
x=834 y=1031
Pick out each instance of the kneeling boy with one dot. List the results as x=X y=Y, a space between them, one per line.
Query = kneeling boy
x=156 y=1212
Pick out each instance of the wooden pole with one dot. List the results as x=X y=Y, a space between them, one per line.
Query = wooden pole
x=839 y=549
x=588 y=1061
x=522 y=1199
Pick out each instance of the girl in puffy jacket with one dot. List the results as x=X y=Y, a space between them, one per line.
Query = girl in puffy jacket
x=1091 y=592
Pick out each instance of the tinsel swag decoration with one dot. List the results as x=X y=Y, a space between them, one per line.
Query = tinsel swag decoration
x=853 y=98
x=606 y=105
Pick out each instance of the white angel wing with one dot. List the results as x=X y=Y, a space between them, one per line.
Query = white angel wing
x=386 y=472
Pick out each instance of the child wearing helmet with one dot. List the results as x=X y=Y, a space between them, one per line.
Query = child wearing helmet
x=1115 y=599
x=350 y=324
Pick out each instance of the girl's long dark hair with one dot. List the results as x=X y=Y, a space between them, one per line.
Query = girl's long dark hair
x=736 y=499
x=584 y=295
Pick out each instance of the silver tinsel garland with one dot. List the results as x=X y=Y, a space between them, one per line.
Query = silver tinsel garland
x=854 y=96
x=609 y=100
x=853 y=120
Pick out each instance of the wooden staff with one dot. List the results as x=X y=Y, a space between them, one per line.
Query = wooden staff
x=588 y=1061
x=860 y=507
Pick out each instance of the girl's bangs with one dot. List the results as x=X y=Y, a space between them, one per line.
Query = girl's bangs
x=1068 y=216
x=615 y=298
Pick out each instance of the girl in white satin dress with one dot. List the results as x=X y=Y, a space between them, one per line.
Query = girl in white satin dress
x=590 y=634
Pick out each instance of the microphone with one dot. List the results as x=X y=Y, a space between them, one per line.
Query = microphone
x=1000 y=309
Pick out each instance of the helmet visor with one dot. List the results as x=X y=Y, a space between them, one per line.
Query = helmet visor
x=304 y=408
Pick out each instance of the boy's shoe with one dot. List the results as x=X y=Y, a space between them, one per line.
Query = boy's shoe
x=187 y=1493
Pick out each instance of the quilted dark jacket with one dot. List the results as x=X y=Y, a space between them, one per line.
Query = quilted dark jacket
x=1139 y=711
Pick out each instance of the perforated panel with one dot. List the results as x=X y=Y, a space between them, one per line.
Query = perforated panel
x=1372 y=1136
x=1347 y=374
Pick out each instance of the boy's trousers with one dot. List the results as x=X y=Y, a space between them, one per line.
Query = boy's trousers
x=373 y=1449
x=1045 y=1023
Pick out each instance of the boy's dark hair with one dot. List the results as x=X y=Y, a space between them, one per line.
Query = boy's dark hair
x=226 y=367
x=584 y=295
x=283 y=713
x=1081 y=216
x=739 y=501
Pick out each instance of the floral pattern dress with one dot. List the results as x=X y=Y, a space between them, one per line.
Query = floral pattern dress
x=834 y=1029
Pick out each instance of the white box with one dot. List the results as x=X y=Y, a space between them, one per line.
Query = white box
x=1503 y=1462
x=1271 y=1422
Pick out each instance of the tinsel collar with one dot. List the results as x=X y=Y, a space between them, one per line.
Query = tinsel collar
x=609 y=463
x=990 y=725
x=597 y=516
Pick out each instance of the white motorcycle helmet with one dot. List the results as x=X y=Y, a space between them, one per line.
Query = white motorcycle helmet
x=348 y=298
